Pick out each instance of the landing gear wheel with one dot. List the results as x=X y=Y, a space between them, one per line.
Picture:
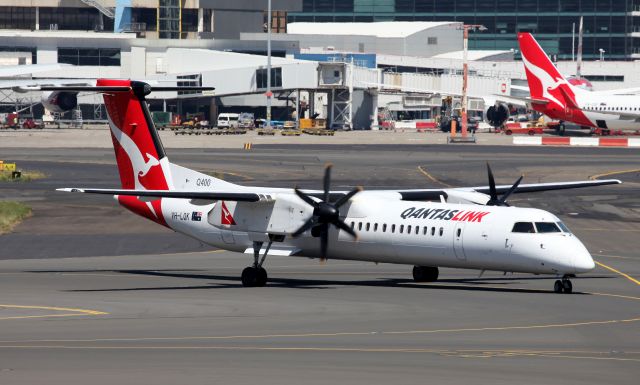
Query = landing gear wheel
x=425 y=274
x=558 y=287
x=249 y=277
x=567 y=286
x=261 y=277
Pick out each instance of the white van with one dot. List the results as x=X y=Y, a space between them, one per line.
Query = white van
x=228 y=120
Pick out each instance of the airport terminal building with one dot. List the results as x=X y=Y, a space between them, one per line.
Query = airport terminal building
x=342 y=59
x=611 y=25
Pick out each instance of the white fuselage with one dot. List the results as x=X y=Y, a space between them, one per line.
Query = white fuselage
x=415 y=233
x=605 y=101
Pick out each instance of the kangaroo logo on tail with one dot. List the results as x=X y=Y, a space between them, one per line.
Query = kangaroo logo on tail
x=545 y=81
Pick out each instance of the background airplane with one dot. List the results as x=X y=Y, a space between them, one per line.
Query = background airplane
x=469 y=227
x=554 y=96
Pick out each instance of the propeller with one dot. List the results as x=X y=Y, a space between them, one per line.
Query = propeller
x=494 y=200
x=325 y=213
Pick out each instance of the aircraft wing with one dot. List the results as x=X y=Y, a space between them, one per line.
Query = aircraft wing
x=26 y=85
x=434 y=194
x=201 y=195
x=28 y=69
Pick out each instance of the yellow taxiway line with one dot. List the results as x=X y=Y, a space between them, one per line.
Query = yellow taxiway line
x=432 y=178
x=610 y=173
x=66 y=312
x=627 y=276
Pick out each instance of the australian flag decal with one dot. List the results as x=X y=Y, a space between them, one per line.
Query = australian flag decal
x=196 y=216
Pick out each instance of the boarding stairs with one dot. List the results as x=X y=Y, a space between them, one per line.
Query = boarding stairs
x=97 y=4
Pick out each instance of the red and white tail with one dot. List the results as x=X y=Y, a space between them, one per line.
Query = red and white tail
x=141 y=159
x=545 y=81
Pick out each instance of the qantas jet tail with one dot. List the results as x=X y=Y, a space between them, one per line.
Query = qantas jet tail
x=546 y=85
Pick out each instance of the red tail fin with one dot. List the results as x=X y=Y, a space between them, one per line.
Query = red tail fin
x=141 y=159
x=543 y=77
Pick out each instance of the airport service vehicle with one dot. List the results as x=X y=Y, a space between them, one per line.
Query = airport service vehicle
x=468 y=227
x=227 y=120
x=554 y=96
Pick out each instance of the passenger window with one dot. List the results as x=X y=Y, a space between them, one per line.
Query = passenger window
x=375 y=227
x=459 y=232
x=523 y=227
x=417 y=230
x=384 y=227
x=359 y=226
x=425 y=230
x=401 y=229
x=409 y=229
x=441 y=231
x=393 y=228
x=433 y=231
x=547 y=227
x=353 y=225
x=368 y=227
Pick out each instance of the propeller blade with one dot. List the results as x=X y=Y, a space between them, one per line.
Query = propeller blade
x=327 y=181
x=324 y=242
x=306 y=198
x=345 y=227
x=492 y=185
x=503 y=198
x=306 y=226
x=346 y=198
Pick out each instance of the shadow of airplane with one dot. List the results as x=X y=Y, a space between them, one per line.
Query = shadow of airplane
x=232 y=281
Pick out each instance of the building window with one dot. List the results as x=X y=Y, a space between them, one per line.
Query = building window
x=17 y=17
x=278 y=22
x=276 y=78
x=89 y=56
x=28 y=51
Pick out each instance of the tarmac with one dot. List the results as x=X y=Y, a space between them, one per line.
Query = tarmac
x=91 y=293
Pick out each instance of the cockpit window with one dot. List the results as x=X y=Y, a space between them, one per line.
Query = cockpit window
x=523 y=227
x=547 y=227
x=563 y=227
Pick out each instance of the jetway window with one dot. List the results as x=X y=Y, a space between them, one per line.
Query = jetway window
x=89 y=56
x=261 y=78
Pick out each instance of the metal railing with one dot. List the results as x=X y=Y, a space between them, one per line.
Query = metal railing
x=108 y=12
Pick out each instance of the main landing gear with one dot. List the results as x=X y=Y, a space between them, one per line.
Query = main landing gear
x=256 y=275
x=425 y=273
x=563 y=286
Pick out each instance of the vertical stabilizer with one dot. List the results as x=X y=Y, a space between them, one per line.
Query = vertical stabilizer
x=142 y=162
x=545 y=81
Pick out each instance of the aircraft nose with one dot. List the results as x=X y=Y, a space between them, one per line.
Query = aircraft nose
x=582 y=260
x=583 y=263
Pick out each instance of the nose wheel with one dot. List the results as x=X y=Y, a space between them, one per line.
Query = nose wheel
x=563 y=286
x=256 y=275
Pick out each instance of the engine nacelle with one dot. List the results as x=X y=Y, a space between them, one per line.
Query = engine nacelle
x=497 y=114
x=59 y=101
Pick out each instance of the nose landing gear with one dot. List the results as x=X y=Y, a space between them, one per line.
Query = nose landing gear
x=563 y=286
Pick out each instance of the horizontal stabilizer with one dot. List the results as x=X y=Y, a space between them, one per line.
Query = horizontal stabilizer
x=201 y=195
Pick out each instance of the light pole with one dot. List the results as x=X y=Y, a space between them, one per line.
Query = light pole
x=269 y=94
x=465 y=71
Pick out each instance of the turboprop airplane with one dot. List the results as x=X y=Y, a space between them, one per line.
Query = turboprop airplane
x=468 y=227
x=554 y=96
